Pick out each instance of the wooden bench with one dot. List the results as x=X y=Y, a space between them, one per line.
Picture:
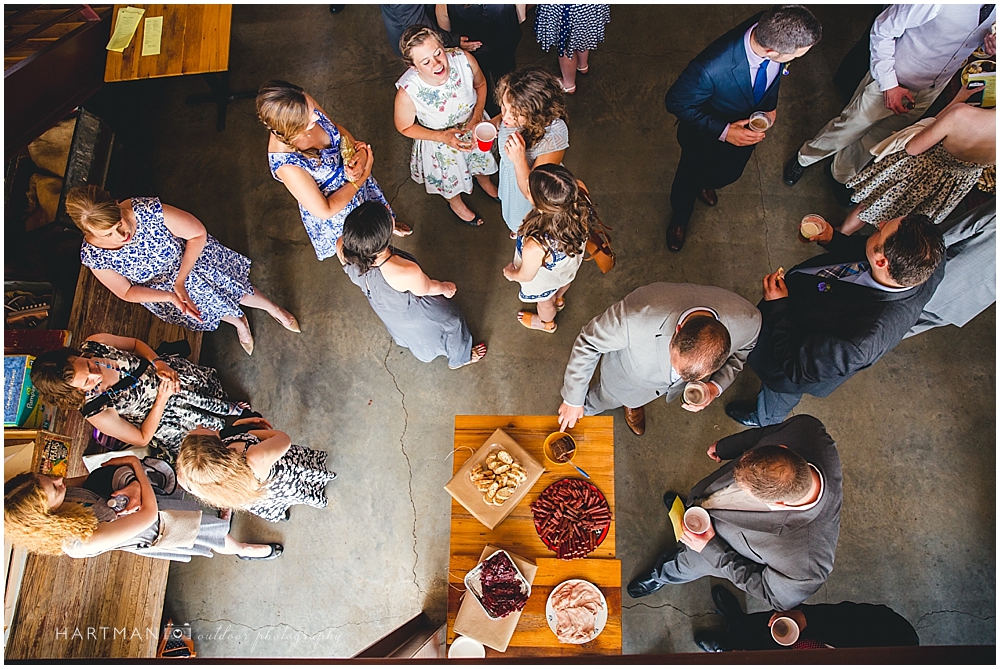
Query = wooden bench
x=110 y=605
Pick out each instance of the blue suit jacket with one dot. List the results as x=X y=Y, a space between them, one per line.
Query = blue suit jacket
x=715 y=88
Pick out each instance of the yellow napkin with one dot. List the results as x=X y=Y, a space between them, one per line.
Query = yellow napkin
x=677 y=517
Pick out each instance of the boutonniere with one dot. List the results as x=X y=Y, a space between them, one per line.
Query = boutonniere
x=784 y=70
x=824 y=287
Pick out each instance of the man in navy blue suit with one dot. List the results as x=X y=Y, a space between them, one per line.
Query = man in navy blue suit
x=714 y=97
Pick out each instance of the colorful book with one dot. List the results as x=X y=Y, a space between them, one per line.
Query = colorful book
x=20 y=398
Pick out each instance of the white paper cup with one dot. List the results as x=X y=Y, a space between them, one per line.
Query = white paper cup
x=485 y=133
x=465 y=646
x=785 y=631
x=695 y=393
x=697 y=520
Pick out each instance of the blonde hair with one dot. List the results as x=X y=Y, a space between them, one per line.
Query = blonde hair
x=536 y=95
x=51 y=373
x=92 y=209
x=219 y=475
x=29 y=522
x=283 y=110
x=415 y=36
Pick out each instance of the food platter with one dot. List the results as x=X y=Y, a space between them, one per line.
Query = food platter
x=572 y=518
x=977 y=67
x=474 y=583
x=551 y=615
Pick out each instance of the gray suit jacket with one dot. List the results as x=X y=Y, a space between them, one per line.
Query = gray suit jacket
x=781 y=557
x=969 y=285
x=632 y=342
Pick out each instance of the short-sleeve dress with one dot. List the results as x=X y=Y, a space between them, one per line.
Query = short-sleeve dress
x=557 y=270
x=298 y=477
x=571 y=28
x=428 y=325
x=513 y=204
x=329 y=176
x=152 y=258
x=442 y=169
x=201 y=401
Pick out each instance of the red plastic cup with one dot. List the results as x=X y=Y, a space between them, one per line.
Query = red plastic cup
x=485 y=133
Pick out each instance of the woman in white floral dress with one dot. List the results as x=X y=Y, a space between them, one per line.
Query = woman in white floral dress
x=439 y=101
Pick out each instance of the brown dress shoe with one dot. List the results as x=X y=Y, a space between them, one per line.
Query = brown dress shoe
x=675 y=235
x=636 y=420
x=708 y=196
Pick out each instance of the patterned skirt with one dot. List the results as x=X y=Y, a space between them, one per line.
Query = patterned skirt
x=299 y=477
x=932 y=183
x=571 y=28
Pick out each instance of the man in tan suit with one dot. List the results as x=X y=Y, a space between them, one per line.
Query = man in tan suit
x=651 y=344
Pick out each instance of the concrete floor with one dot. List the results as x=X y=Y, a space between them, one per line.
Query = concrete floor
x=916 y=432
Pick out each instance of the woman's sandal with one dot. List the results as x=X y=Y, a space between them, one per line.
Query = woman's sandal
x=476 y=222
x=584 y=70
x=247 y=344
x=568 y=91
x=526 y=318
x=292 y=324
x=478 y=353
x=560 y=303
x=276 y=551
x=401 y=229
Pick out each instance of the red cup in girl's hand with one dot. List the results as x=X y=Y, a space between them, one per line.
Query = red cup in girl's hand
x=485 y=133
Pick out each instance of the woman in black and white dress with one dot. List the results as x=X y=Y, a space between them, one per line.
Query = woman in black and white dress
x=575 y=30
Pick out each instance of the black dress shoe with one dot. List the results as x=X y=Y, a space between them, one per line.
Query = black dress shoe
x=646 y=584
x=669 y=497
x=841 y=193
x=726 y=603
x=793 y=171
x=711 y=642
x=708 y=196
x=741 y=412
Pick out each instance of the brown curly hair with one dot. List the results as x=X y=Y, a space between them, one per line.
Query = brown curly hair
x=536 y=95
x=217 y=474
x=29 y=522
x=283 y=110
x=51 y=373
x=561 y=213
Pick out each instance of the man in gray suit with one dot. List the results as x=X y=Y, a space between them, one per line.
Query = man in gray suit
x=651 y=344
x=775 y=511
x=969 y=285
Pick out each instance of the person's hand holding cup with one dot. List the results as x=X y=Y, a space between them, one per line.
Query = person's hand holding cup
x=814 y=228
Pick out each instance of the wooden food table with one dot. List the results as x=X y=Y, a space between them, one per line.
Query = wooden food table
x=195 y=40
x=533 y=637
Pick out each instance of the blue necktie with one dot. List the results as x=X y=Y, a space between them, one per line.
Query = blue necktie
x=760 y=82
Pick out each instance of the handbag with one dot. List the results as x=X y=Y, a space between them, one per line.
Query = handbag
x=598 y=246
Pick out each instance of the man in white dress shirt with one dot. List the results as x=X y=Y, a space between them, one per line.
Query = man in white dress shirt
x=915 y=51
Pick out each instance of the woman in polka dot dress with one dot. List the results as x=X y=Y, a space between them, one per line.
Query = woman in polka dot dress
x=575 y=30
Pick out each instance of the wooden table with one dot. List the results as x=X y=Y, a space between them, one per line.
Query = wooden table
x=595 y=440
x=195 y=40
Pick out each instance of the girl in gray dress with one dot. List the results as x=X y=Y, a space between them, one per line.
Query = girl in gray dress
x=417 y=310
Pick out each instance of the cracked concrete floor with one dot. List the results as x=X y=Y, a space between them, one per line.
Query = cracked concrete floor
x=916 y=435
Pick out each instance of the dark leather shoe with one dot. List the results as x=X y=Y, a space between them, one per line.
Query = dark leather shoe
x=636 y=420
x=793 y=171
x=676 y=232
x=711 y=642
x=646 y=584
x=668 y=498
x=841 y=193
x=726 y=603
x=708 y=196
x=741 y=412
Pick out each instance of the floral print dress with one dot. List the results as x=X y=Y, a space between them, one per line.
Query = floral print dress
x=298 y=477
x=201 y=401
x=329 y=175
x=557 y=270
x=152 y=258
x=442 y=169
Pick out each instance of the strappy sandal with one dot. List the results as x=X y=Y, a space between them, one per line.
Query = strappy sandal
x=478 y=353
x=584 y=70
x=568 y=91
x=526 y=319
x=476 y=222
x=560 y=303
x=292 y=324
x=401 y=229
x=276 y=551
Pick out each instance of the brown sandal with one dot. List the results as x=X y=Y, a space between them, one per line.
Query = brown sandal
x=526 y=318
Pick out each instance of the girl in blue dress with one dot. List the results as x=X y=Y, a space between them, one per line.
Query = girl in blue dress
x=320 y=163
x=163 y=258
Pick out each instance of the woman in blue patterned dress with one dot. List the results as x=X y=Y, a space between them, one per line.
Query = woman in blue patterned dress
x=439 y=101
x=575 y=30
x=163 y=258
x=550 y=244
x=327 y=171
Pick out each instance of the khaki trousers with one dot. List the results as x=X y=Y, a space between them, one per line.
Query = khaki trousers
x=864 y=123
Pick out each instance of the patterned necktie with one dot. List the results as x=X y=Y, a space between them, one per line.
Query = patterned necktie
x=843 y=271
x=760 y=82
x=985 y=11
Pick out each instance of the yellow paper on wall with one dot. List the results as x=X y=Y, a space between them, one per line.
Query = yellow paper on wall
x=125 y=27
x=677 y=517
x=151 y=36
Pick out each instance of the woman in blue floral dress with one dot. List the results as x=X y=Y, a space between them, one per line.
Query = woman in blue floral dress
x=439 y=101
x=320 y=163
x=163 y=258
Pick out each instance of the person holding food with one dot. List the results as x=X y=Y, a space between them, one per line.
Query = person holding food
x=550 y=244
x=252 y=467
x=127 y=391
x=915 y=51
x=651 y=344
x=933 y=173
x=56 y=516
x=774 y=516
x=417 y=311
